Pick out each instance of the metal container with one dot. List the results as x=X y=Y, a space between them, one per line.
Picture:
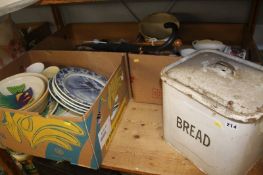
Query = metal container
x=152 y=26
x=213 y=108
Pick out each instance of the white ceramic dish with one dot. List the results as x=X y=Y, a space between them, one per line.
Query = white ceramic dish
x=208 y=44
x=50 y=71
x=36 y=83
x=66 y=100
x=62 y=93
x=80 y=85
x=39 y=104
x=53 y=94
x=41 y=99
x=35 y=68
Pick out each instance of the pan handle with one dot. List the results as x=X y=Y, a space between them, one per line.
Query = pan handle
x=166 y=45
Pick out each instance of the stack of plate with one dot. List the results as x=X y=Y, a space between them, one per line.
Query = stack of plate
x=76 y=89
x=24 y=91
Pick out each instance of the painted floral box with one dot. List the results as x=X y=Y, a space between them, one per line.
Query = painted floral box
x=81 y=140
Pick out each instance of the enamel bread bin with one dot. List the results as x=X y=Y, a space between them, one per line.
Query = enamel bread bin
x=213 y=108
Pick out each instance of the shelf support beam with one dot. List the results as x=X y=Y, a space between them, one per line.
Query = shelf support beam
x=57 y=17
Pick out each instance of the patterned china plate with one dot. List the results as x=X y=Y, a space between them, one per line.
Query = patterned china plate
x=66 y=100
x=51 y=91
x=80 y=85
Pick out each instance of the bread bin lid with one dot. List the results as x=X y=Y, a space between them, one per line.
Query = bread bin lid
x=226 y=84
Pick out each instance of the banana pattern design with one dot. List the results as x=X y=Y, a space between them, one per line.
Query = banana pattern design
x=37 y=130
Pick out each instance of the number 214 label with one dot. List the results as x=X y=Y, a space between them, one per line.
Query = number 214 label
x=231 y=125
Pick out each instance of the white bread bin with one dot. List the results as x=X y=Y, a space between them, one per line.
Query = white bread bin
x=213 y=108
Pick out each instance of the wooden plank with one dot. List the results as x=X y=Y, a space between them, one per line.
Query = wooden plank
x=138 y=145
x=108 y=30
x=52 y=2
x=129 y=31
x=227 y=33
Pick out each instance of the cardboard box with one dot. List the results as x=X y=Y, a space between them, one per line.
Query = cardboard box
x=89 y=136
x=145 y=78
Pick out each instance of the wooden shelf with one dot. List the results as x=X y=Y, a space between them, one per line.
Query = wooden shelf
x=138 y=146
x=53 y=2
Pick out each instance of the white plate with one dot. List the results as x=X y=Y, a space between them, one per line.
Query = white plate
x=68 y=97
x=61 y=102
x=80 y=85
x=67 y=101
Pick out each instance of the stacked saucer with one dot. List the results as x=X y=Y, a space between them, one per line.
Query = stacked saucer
x=76 y=89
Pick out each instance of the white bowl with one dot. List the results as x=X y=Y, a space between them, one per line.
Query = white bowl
x=39 y=104
x=208 y=44
x=35 y=68
x=36 y=83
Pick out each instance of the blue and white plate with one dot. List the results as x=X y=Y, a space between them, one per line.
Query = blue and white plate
x=80 y=85
x=67 y=100
x=53 y=94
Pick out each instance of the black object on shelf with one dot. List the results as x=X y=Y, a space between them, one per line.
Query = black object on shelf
x=50 y=167
x=132 y=48
x=33 y=36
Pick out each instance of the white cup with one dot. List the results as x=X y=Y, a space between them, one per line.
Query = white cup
x=35 y=68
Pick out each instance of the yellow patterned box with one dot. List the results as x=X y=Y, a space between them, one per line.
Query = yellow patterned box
x=79 y=140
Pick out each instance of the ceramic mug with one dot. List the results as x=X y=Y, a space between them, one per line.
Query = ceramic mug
x=50 y=71
x=35 y=67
